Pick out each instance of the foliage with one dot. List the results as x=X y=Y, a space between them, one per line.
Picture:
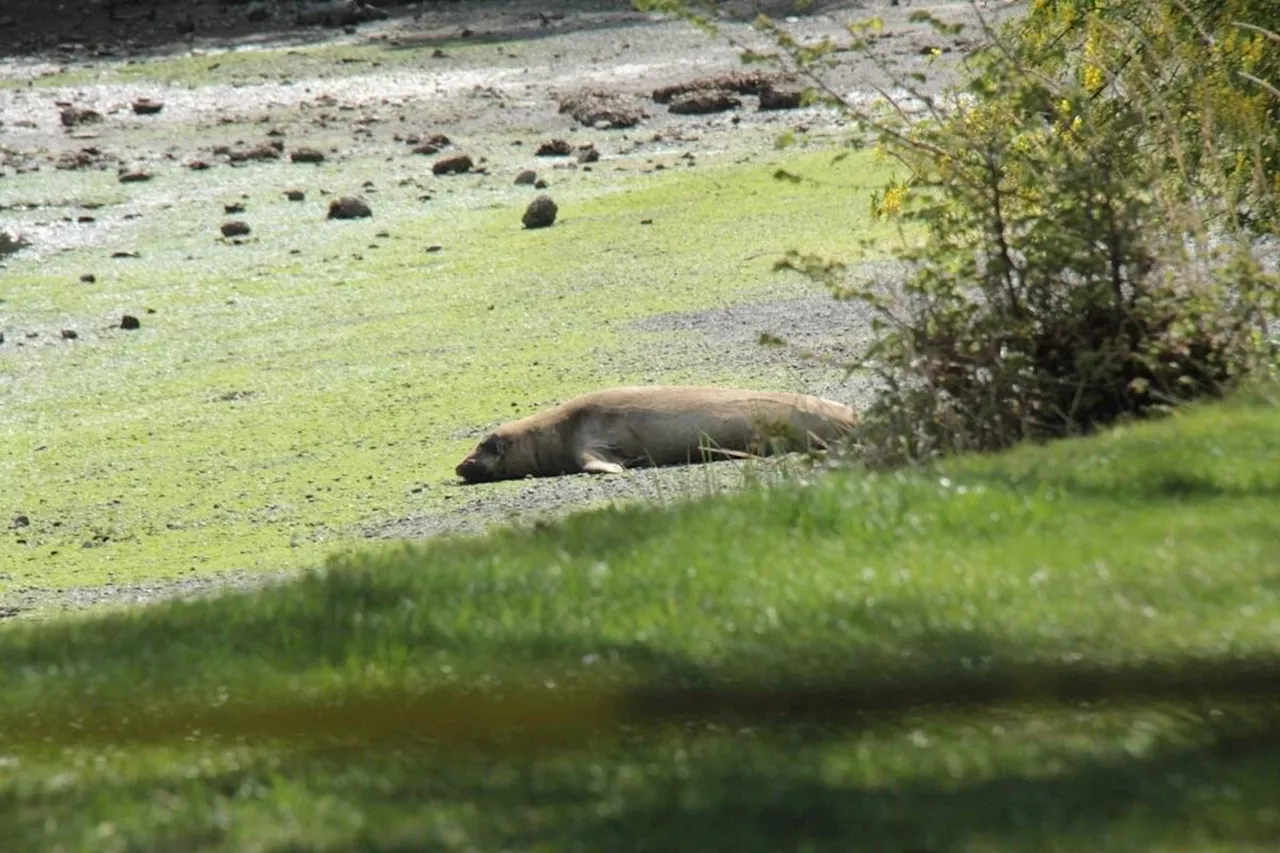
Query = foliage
x=1092 y=198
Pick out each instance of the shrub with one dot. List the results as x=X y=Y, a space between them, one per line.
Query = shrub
x=1092 y=199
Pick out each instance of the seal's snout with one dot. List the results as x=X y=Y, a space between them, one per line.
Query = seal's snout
x=472 y=470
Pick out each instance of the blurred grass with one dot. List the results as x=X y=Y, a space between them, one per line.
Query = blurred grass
x=1148 y=542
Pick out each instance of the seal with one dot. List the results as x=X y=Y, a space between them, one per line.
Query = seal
x=608 y=431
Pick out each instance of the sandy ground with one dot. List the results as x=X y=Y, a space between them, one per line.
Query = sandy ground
x=562 y=48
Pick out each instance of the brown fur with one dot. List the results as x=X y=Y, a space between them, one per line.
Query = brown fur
x=608 y=431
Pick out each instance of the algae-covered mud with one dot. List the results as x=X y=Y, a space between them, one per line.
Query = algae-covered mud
x=207 y=379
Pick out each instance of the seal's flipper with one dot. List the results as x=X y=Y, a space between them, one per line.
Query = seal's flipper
x=593 y=464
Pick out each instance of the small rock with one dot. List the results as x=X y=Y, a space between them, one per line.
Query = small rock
x=233 y=207
x=540 y=213
x=125 y=254
x=743 y=82
x=526 y=178
x=235 y=228
x=147 y=106
x=88 y=278
x=342 y=13
x=307 y=155
x=434 y=249
x=554 y=148
x=130 y=322
x=19 y=521
x=197 y=165
x=72 y=116
x=703 y=102
x=69 y=334
x=295 y=195
x=348 y=207
x=452 y=165
x=540 y=184
x=601 y=110
x=780 y=99
x=590 y=155
x=257 y=152
x=12 y=242
x=134 y=177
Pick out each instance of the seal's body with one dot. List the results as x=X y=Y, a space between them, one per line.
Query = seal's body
x=609 y=431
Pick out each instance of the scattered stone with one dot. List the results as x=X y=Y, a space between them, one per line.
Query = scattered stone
x=235 y=228
x=589 y=155
x=342 y=13
x=147 y=106
x=780 y=99
x=130 y=322
x=277 y=144
x=197 y=165
x=258 y=12
x=348 y=207
x=540 y=213
x=86 y=219
x=526 y=178
x=125 y=254
x=69 y=334
x=307 y=155
x=434 y=249
x=72 y=116
x=438 y=54
x=82 y=159
x=742 y=82
x=540 y=184
x=19 y=521
x=256 y=152
x=432 y=143
x=134 y=176
x=703 y=102
x=88 y=278
x=12 y=242
x=554 y=148
x=457 y=164
x=601 y=110
x=233 y=207
x=295 y=195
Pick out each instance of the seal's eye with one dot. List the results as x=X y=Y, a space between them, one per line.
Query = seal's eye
x=493 y=444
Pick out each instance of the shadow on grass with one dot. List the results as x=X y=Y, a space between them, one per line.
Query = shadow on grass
x=767 y=795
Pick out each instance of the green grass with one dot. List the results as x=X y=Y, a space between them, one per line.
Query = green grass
x=327 y=374
x=1149 y=541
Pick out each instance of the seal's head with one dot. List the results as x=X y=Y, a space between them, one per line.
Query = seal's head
x=484 y=464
